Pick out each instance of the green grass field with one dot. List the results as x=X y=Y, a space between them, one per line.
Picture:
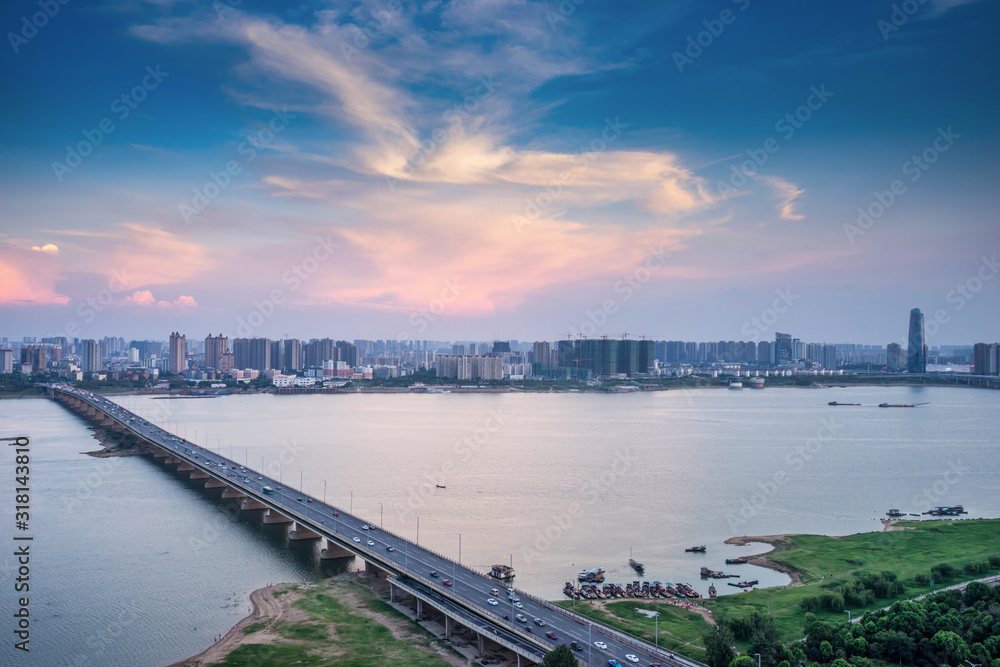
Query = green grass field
x=360 y=640
x=824 y=563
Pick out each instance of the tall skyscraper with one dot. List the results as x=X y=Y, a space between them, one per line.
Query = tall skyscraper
x=292 y=354
x=894 y=358
x=783 y=352
x=215 y=347
x=254 y=353
x=178 y=353
x=986 y=359
x=916 y=350
x=90 y=354
x=6 y=361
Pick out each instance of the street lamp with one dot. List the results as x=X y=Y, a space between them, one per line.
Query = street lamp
x=656 y=630
x=758 y=659
x=324 y=491
x=848 y=612
x=418 y=531
x=380 y=515
x=460 y=548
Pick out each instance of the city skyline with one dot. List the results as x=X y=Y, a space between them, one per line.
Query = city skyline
x=476 y=170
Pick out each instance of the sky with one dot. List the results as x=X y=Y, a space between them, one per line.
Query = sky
x=491 y=169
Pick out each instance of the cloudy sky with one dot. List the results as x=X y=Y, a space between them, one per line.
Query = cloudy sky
x=480 y=169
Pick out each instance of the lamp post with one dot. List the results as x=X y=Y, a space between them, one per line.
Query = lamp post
x=324 y=491
x=261 y=464
x=656 y=630
x=848 y=612
x=758 y=659
x=418 y=531
x=460 y=548
x=300 y=480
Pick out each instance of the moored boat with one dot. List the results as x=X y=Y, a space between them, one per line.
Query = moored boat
x=698 y=549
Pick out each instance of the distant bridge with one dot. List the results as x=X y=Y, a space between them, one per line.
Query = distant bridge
x=428 y=579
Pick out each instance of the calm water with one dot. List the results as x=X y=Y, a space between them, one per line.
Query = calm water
x=134 y=565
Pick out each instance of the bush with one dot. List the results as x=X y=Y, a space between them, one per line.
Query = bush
x=943 y=572
x=922 y=580
x=994 y=561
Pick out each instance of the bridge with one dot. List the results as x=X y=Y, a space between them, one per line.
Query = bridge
x=515 y=620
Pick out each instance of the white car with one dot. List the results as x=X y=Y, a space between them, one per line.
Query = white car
x=371 y=543
x=519 y=605
x=631 y=658
x=356 y=539
x=492 y=602
x=600 y=645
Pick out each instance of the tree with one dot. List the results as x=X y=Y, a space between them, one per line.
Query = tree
x=561 y=656
x=950 y=645
x=743 y=661
x=719 y=645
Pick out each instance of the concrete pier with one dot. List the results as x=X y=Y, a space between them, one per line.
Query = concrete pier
x=249 y=504
x=300 y=532
x=230 y=492
x=215 y=484
x=334 y=550
x=197 y=474
x=276 y=517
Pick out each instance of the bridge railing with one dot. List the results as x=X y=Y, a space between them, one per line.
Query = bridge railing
x=583 y=620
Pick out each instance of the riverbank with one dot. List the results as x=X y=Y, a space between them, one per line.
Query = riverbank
x=332 y=620
x=822 y=564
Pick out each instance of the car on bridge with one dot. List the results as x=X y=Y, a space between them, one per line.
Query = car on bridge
x=371 y=543
x=492 y=602
x=356 y=539
x=632 y=658
x=614 y=663
x=521 y=618
x=551 y=635
x=446 y=582
x=539 y=622
x=576 y=646
x=434 y=573
x=390 y=548
x=601 y=645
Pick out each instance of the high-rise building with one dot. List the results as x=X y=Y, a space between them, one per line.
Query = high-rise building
x=916 y=348
x=895 y=359
x=829 y=356
x=986 y=359
x=501 y=346
x=90 y=356
x=347 y=352
x=277 y=355
x=783 y=352
x=566 y=354
x=253 y=353
x=318 y=351
x=292 y=356
x=215 y=347
x=178 y=353
x=6 y=361
x=765 y=352
x=541 y=353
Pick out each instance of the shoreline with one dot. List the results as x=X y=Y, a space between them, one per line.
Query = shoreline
x=780 y=543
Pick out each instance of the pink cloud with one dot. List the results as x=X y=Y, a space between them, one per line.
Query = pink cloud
x=141 y=298
x=28 y=276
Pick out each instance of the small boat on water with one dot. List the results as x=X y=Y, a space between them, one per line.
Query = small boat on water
x=736 y=561
x=947 y=511
x=711 y=590
x=595 y=574
x=895 y=513
x=838 y=403
x=900 y=405
x=635 y=565
x=502 y=572
x=700 y=549
x=744 y=584
x=736 y=384
x=440 y=486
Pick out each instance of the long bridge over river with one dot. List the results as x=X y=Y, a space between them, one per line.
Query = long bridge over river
x=432 y=582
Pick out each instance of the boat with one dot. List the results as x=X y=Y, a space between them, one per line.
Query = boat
x=735 y=384
x=900 y=405
x=947 y=511
x=596 y=574
x=895 y=513
x=440 y=486
x=502 y=572
x=635 y=566
x=744 y=584
x=700 y=549
x=711 y=590
x=736 y=561
x=838 y=403
x=756 y=383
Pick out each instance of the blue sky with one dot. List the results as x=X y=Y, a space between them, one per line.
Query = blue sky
x=500 y=169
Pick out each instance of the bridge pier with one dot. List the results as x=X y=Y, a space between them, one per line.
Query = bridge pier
x=159 y=453
x=230 y=492
x=185 y=467
x=447 y=626
x=300 y=532
x=214 y=483
x=334 y=550
x=198 y=474
x=274 y=517
x=482 y=644
x=249 y=504
x=420 y=609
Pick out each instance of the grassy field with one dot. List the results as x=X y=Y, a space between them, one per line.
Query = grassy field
x=336 y=635
x=825 y=563
x=680 y=630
